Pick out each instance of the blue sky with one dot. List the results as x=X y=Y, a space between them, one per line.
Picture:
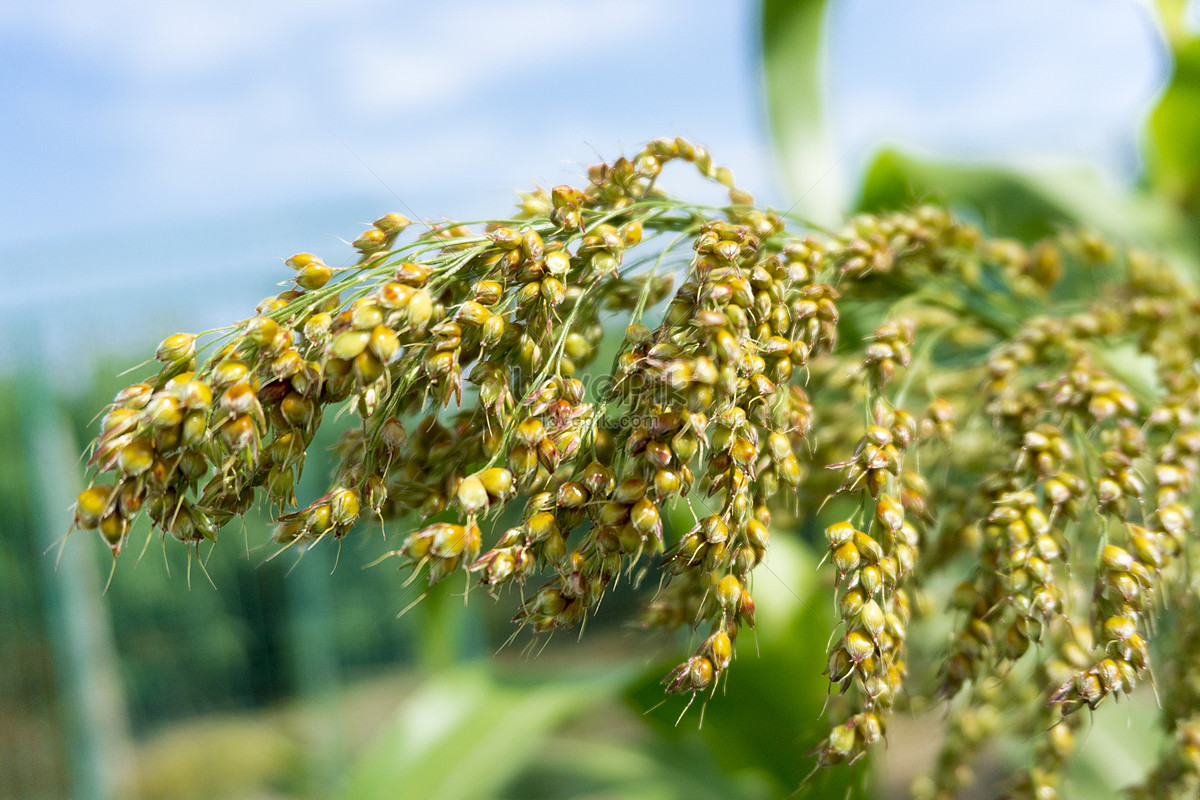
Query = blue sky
x=159 y=159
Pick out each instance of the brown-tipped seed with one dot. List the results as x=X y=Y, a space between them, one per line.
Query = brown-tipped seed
x=645 y=519
x=729 y=591
x=846 y=557
x=498 y=482
x=383 y=343
x=175 y=348
x=91 y=505
x=858 y=645
x=839 y=533
x=472 y=496
x=695 y=675
x=302 y=260
x=313 y=276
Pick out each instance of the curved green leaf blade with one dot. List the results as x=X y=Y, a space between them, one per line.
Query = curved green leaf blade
x=792 y=36
x=466 y=733
x=1174 y=132
x=1029 y=206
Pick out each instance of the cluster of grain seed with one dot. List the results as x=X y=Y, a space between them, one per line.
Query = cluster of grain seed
x=977 y=720
x=722 y=361
x=248 y=414
x=1006 y=703
x=514 y=311
x=242 y=421
x=873 y=565
x=1131 y=570
x=1054 y=744
x=1177 y=774
x=467 y=357
x=1014 y=594
x=1017 y=591
x=928 y=238
x=1107 y=439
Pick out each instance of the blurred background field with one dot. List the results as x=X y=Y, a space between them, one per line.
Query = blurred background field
x=160 y=160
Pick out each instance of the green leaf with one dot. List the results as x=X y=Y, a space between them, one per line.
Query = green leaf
x=793 y=74
x=640 y=767
x=466 y=733
x=1008 y=203
x=1174 y=157
x=1029 y=206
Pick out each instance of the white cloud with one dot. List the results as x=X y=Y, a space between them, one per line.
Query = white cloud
x=464 y=47
x=216 y=105
x=166 y=40
x=224 y=108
